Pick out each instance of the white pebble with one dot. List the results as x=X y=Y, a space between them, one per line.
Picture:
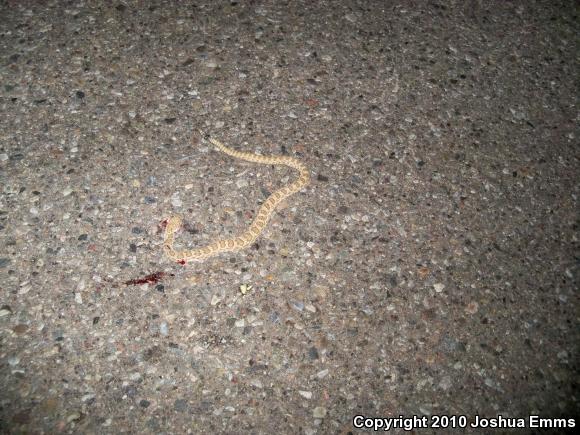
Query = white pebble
x=445 y=383
x=135 y=376
x=87 y=397
x=322 y=374
x=319 y=412
x=438 y=287
x=72 y=417
x=24 y=289
x=175 y=200
x=256 y=383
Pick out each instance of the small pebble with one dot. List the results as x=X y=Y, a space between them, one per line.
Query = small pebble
x=446 y=383
x=256 y=383
x=311 y=308
x=350 y=17
x=298 y=306
x=21 y=328
x=87 y=397
x=175 y=200
x=472 y=307
x=322 y=374
x=135 y=376
x=180 y=405
x=313 y=353
x=319 y=412
x=490 y=383
x=438 y=287
x=24 y=289
x=73 y=417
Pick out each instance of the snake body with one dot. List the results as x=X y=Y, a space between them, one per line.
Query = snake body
x=258 y=224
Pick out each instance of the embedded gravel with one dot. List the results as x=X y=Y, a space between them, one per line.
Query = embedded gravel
x=430 y=267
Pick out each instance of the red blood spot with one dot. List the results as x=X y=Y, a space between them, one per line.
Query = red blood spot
x=182 y=262
x=151 y=279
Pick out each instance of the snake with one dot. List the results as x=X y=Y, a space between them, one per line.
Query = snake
x=249 y=236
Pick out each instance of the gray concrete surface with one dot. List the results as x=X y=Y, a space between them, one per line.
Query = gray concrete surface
x=430 y=268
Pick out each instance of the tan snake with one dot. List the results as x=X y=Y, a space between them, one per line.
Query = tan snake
x=259 y=223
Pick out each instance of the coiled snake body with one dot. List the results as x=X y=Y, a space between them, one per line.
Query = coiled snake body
x=259 y=223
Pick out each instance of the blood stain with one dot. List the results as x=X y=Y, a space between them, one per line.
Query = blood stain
x=151 y=279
